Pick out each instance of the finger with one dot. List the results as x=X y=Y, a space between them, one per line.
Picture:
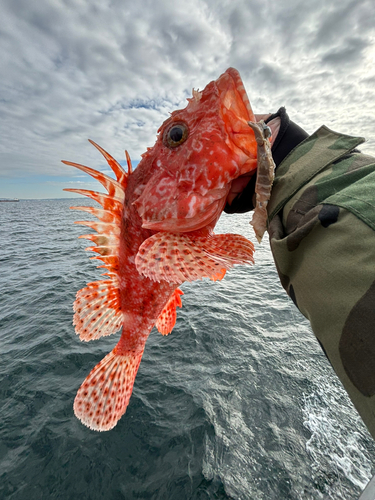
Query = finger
x=273 y=124
x=262 y=117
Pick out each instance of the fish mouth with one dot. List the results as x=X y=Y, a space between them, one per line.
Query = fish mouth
x=236 y=112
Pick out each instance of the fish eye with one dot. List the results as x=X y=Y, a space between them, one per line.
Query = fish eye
x=175 y=134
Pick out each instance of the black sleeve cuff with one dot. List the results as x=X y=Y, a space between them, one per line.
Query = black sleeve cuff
x=289 y=136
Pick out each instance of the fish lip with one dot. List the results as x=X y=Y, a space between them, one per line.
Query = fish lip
x=236 y=116
x=240 y=87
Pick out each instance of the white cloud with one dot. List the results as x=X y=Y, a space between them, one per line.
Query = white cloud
x=113 y=70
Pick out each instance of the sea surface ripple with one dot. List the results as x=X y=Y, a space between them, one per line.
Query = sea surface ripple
x=239 y=402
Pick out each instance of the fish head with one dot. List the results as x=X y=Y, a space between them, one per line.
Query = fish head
x=198 y=152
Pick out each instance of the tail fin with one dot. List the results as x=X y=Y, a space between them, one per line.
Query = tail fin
x=104 y=395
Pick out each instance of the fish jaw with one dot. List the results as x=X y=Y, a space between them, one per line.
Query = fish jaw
x=235 y=110
x=180 y=210
x=188 y=184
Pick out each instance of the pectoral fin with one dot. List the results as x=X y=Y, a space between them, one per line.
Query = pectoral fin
x=177 y=257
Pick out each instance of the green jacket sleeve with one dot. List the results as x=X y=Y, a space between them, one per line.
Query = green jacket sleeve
x=322 y=235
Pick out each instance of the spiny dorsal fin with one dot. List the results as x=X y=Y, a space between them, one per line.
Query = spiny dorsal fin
x=97 y=307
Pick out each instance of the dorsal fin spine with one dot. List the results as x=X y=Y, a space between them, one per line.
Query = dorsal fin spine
x=113 y=187
x=113 y=216
x=129 y=162
x=117 y=169
x=101 y=227
x=106 y=201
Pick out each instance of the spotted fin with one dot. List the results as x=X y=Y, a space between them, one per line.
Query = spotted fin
x=218 y=276
x=168 y=316
x=97 y=307
x=104 y=395
x=97 y=310
x=177 y=257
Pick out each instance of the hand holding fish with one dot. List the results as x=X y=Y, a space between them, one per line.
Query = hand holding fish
x=240 y=183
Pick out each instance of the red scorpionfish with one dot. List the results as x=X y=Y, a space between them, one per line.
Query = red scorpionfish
x=155 y=231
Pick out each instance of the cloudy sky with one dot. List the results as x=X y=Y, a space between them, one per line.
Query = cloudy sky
x=112 y=70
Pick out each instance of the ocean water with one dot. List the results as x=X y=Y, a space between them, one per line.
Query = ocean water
x=238 y=402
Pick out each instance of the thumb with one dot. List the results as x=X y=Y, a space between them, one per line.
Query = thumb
x=274 y=125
